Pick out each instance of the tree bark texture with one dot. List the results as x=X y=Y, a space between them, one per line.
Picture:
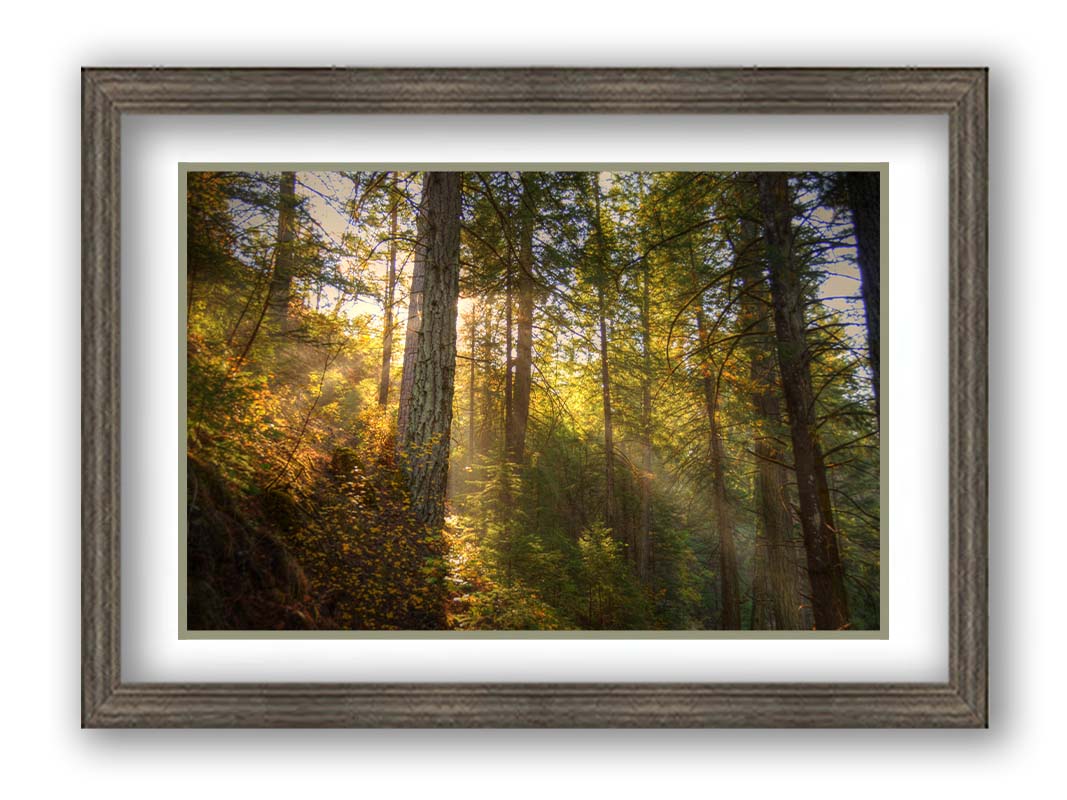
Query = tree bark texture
x=605 y=370
x=729 y=580
x=428 y=426
x=825 y=569
x=411 y=336
x=281 y=282
x=509 y=349
x=524 y=285
x=472 y=384
x=390 y=291
x=775 y=545
x=864 y=198
x=643 y=541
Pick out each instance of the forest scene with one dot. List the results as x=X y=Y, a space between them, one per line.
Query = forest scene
x=532 y=401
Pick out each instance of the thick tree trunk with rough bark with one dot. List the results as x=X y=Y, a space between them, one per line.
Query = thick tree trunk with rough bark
x=729 y=580
x=429 y=422
x=825 y=569
x=864 y=198
x=281 y=282
x=390 y=291
x=524 y=284
x=772 y=502
x=776 y=552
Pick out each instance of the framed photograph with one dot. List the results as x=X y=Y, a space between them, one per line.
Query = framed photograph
x=534 y=398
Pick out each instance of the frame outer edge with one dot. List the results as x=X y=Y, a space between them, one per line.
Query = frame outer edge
x=536 y=705
x=968 y=399
x=107 y=93
x=101 y=477
x=535 y=90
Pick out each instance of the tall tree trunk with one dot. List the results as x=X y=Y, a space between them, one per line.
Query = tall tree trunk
x=428 y=426
x=414 y=325
x=829 y=601
x=776 y=522
x=490 y=395
x=390 y=290
x=865 y=200
x=729 y=581
x=644 y=533
x=520 y=398
x=778 y=562
x=281 y=282
x=757 y=615
x=609 y=436
x=605 y=370
x=509 y=346
x=472 y=383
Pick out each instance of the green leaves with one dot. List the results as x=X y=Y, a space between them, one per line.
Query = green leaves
x=288 y=416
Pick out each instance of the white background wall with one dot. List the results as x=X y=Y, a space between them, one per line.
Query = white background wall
x=45 y=754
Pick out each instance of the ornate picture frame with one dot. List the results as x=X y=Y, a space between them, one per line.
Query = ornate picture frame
x=958 y=94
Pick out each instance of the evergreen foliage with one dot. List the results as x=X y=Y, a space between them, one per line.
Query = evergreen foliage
x=619 y=450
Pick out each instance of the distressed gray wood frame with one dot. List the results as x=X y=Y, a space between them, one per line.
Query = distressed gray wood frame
x=107 y=94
